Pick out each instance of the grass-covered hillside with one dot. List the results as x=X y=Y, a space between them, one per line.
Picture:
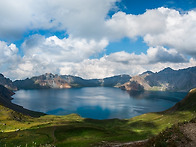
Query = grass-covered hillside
x=180 y=134
x=72 y=130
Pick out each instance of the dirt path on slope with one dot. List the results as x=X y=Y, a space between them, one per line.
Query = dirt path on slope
x=140 y=143
x=53 y=136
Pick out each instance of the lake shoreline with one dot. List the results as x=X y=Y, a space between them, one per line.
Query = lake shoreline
x=101 y=101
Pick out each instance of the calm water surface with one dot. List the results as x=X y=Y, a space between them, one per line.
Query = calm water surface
x=95 y=102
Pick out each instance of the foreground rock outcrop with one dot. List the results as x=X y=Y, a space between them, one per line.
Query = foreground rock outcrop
x=179 y=135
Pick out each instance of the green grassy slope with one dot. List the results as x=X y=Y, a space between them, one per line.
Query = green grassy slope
x=73 y=130
x=188 y=103
x=175 y=136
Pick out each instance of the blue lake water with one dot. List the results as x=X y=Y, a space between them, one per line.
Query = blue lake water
x=96 y=102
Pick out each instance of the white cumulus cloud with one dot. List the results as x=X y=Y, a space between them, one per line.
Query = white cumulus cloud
x=81 y=18
x=51 y=54
x=8 y=55
x=159 y=27
x=153 y=56
x=169 y=34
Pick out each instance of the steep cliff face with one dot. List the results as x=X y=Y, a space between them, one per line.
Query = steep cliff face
x=47 y=80
x=50 y=80
x=137 y=83
x=166 y=80
x=7 y=82
x=173 y=80
x=132 y=86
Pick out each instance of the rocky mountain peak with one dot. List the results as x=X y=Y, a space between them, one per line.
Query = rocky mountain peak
x=1 y=75
x=146 y=73
x=166 y=70
x=49 y=75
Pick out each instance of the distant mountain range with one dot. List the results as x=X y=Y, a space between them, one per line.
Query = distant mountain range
x=164 y=80
x=49 y=80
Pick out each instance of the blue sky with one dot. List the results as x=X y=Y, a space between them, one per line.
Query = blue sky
x=96 y=39
x=139 y=7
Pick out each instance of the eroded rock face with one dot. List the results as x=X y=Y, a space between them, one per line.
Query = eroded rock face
x=166 y=80
x=52 y=81
x=49 y=80
x=174 y=80
x=132 y=86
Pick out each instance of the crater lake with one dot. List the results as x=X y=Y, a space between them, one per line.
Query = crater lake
x=96 y=102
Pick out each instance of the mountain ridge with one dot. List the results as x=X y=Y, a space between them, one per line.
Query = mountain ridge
x=164 y=80
x=49 y=80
